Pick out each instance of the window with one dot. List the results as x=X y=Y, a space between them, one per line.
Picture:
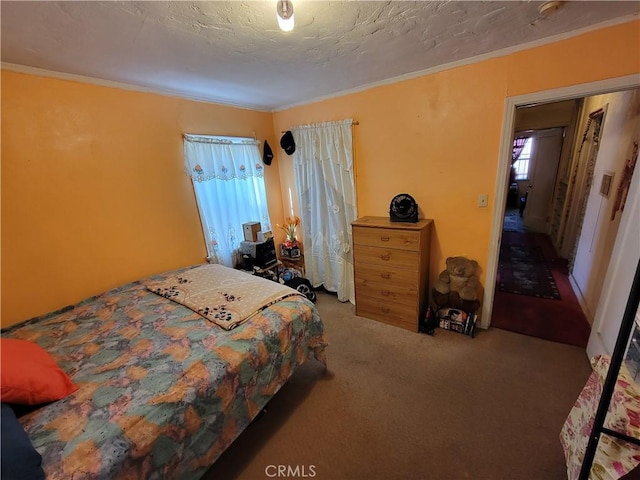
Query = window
x=228 y=181
x=521 y=165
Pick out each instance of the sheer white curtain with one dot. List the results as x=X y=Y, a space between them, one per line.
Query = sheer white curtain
x=323 y=165
x=228 y=180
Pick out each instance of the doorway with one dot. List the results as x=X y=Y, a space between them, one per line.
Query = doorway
x=502 y=185
x=532 y=284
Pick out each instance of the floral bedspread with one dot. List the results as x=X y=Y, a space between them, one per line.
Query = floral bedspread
x=162 y=391
x=614 y=457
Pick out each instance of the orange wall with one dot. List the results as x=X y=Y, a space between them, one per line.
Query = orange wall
x=437 y=137
x=94 y=193
x=93 y=188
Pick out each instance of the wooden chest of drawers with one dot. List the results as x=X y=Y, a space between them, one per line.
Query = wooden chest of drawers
x=391 y=263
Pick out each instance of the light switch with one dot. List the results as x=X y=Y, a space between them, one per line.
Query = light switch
x=483 y=200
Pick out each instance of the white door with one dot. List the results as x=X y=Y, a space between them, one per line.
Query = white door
x=543 y=168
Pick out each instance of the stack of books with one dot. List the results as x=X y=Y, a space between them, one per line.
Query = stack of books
x=457 y=320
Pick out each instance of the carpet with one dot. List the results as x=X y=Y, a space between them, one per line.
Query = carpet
x=561 y=321
x=524 y=271
x=513 y=221
x=397 y=405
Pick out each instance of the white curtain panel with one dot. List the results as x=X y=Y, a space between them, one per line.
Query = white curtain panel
x=323 y=165
x=228 y=180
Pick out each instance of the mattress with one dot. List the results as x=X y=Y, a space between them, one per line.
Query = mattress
x=162 y=390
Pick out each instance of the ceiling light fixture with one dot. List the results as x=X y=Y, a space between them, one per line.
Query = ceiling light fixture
x=285 y=15
x=547 y=8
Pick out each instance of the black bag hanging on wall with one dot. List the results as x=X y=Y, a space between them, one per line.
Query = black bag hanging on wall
x=287 y=143
x=268 y=154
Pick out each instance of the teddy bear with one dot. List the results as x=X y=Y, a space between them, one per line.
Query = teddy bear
x=458 y=285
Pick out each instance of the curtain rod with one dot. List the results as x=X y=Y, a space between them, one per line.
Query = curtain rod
x=353 y=123
x=220 y=139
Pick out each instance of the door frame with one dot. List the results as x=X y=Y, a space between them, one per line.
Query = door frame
x=504 y=163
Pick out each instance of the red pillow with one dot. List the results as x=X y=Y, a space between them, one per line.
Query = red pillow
x=29 y=375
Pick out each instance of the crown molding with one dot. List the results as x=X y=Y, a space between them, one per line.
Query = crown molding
x=469 y=61
x=41 y=72
x=262 y=108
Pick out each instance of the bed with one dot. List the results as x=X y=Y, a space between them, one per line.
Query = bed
x=162 y=390
x=614 y=457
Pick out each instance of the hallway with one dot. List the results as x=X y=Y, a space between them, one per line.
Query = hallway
x=513 y=221
x=560 y=320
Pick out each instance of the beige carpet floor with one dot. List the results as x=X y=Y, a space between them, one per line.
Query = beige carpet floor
x=400 y=405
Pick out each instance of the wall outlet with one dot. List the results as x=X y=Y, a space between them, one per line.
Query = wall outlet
x=483 y=200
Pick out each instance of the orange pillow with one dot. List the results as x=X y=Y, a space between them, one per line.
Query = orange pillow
x=29 y=375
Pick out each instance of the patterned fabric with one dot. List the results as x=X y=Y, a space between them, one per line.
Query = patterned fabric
x=221 y=294
x=323 y=167
x=223 y=169
x=223 y=158
x=614 y=458
x=161 y=393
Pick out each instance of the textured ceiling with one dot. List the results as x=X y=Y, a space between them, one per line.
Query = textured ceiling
x=234 y=53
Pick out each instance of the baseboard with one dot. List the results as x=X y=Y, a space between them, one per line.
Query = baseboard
x=583 y=304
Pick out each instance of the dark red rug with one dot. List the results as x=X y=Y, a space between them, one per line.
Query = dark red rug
x=557 y=320
x=523 y=270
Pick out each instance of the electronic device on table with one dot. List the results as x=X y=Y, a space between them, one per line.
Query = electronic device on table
x=258 y=254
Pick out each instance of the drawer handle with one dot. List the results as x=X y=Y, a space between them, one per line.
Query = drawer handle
x=384 y=309
x=385 y=275
x=384 y=239
x=385 y=293
x=385 y=257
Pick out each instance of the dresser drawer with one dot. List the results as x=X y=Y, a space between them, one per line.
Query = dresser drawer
x=386 y=256
x=388 y=238
x=394 y=314
x=387 y=274
x=406 y=294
